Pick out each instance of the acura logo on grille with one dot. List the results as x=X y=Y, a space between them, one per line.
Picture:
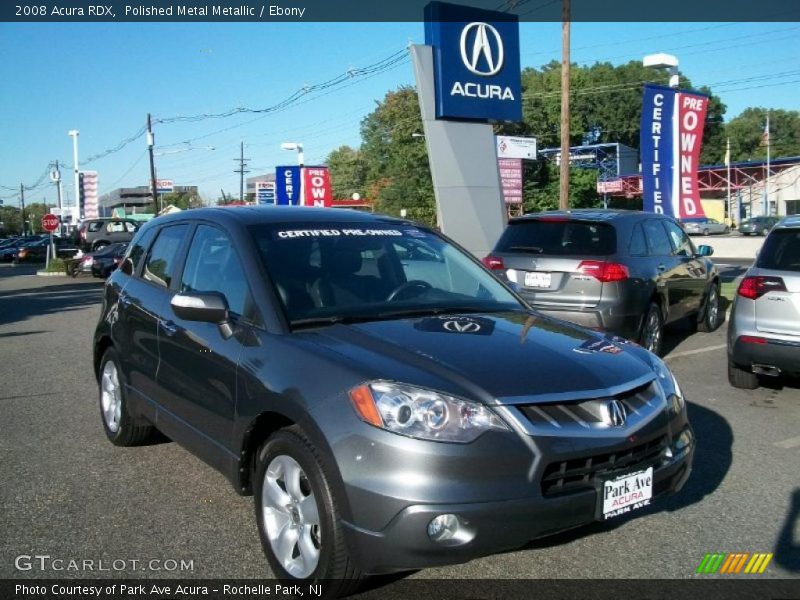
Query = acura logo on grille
x=482 y=48
x=614 y=413
x=462 y=326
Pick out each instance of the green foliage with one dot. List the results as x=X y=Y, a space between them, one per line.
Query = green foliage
x=348 y=172
x=11 y=220
x=746 y=130
x=56 y=265
x=182 y=200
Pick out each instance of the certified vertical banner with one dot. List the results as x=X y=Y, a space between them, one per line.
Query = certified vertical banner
x=287 y=186
x=671 y=140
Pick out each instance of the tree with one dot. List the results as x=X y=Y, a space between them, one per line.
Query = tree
x=10 y=220
x=746 y=130
x=396 y=162
x=182 y=200
x=347 y=171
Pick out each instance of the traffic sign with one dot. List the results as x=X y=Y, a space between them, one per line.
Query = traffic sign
x=50 y=222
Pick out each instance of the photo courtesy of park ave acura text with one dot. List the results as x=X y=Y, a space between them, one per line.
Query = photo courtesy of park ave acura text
x=472 y=299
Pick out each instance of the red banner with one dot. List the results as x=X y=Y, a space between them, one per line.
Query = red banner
x=691 y=119
x=511 y=179
x=317 y=186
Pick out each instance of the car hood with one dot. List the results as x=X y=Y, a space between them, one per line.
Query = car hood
x=508 y=358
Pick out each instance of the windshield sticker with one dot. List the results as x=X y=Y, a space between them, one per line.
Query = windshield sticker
x=305 y=233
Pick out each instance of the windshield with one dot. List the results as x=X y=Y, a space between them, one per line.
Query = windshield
x=781 y=251
x=369 y=271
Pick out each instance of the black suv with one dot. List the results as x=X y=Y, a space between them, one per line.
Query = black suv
x=390 y=404
x=626 y=272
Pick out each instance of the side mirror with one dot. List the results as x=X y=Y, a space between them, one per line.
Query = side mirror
x=705 y=250
x=126 y=266
x=207 y=307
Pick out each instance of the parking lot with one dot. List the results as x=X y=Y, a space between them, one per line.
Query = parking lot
x=68 y=493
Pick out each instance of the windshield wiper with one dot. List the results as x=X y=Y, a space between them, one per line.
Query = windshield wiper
x=438 y=310
x=332 y=320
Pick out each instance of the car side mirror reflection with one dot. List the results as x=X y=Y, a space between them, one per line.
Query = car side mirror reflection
x=705 y=250
x=207 y=307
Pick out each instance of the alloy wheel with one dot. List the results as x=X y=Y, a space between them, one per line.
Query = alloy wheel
x=291 y=516
x=652 y=332
x=712 y=310
x=111 y=396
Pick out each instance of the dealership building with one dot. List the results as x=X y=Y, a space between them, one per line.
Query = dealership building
x=134 y=200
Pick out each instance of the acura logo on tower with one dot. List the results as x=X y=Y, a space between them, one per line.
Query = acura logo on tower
x=483 y=57
x=614 y=413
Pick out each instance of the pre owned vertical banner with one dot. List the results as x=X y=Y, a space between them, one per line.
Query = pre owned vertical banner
x=671 y=140
x=317 y=186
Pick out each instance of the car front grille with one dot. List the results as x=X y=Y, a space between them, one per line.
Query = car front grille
x=579 y=474
x=566 y=417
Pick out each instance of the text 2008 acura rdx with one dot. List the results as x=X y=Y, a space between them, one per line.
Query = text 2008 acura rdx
x=390 y=404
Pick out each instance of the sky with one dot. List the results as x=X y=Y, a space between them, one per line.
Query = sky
x=102 y=79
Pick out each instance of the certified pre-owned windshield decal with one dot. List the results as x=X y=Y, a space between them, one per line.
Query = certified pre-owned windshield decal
x=299 y=233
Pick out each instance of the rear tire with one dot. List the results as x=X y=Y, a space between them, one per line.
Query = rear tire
x=121 y=429
x=706 y=232
x=652 y=329
x=99 y=246
x=710 y=317
x=741 y=378
x=298 y=517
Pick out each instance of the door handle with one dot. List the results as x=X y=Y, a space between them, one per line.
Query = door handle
x=169 y=327
x=661 y=268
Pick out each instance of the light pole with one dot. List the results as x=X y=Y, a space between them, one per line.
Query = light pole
x=74 y=133
x=662 y=60
x=300 y=162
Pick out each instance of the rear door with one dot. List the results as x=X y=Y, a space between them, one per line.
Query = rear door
x=669 y=272
x=550 y=259
x=691 y=274
x=779 y=310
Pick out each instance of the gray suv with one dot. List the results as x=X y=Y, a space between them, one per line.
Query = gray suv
x=764 y=333
x=95 y=234
x=389 y=403
x=626 y=272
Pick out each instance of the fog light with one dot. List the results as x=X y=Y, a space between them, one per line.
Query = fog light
x=443 y=528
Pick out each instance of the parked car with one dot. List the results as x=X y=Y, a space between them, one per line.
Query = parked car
x=383 y=421
x=764 y=332
x=625 y=272
x=703 y=226
x=757 y=225
x=8 y=253
x=37 y=251
x=103 y=262
x=93 y=234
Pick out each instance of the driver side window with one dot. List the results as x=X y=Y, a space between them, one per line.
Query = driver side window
x=681 y=244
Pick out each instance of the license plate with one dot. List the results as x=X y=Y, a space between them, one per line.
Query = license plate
x=624 y=494
x=537 y=279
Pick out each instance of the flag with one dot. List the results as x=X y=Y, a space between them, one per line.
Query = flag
x=728 y=153
x=765 y=135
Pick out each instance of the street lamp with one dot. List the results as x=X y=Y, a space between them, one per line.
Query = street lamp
x=662 y=60
x=295 y=146
x=74 y=133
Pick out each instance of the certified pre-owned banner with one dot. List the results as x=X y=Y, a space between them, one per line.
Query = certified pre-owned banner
x=671 y=139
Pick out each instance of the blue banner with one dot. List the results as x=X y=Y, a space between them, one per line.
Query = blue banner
x=287 y=186
x=476 y=62
x=657 y=149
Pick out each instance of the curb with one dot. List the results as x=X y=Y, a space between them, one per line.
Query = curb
x=50 y=274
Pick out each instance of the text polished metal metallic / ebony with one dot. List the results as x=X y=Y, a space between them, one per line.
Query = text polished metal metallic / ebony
x=389 y=403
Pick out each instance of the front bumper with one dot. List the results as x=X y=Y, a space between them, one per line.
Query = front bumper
x=498 y=525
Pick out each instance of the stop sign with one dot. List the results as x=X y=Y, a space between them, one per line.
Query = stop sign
x=50 y=223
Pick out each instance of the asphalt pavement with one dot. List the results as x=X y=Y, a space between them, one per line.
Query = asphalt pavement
x=68 y=493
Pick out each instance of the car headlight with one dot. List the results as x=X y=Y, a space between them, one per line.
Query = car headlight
x=423 y=414
x=669 y=385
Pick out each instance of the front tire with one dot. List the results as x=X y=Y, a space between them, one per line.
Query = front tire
x=741 y=378
x=710 y=317
x=120 y=427
x=652 y=329
x=298 y=517
x=706 y=232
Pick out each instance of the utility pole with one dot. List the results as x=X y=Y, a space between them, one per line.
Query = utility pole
x=78 y=214
x=57 y=180
x=767 y=133
x=241 y=170
x=563 y=192
x=22 y=202
x=150 y=143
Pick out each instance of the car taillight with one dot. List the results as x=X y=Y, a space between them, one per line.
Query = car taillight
x=604 y=271
x=495 y=263
x=756 y=286
x=22 y=254
x=752 y=339
x=87 y=260
x=83 y=234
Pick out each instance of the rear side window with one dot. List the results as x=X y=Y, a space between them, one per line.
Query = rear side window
x=781 y=251
x=657 y=238
x=559 y=238
x=140 y=245
x=94 y=226
x=638 y=246
x=160 y=264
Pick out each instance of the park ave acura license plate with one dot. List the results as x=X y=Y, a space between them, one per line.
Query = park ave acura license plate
x=537 y=279
x=624 y=494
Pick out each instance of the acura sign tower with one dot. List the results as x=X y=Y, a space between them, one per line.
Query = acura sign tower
x=468 y=77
